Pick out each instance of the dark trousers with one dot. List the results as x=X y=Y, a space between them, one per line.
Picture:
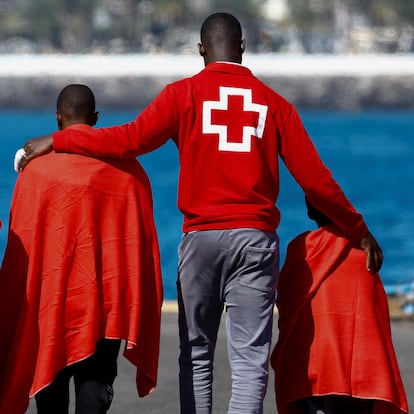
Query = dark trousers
x=336 y=404
x=93 y=379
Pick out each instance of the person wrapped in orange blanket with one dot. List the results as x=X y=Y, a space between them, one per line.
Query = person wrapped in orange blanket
x=80 y=273
x=334 y=353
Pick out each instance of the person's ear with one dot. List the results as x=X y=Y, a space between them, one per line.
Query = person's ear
x=59 y=120
x=95 y=117
x=243 y=46
x=201 y=49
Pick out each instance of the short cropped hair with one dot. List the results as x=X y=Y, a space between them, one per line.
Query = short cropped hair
x=221 y=28
x=76 y=100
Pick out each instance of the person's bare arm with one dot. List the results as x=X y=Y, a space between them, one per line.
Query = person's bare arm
x=35 y=148
x=373 y=252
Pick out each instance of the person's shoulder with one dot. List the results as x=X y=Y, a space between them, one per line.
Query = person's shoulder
x=174 y=90
x=185 y=81
x=274 y=93
x=310 y=239
x=278 y=103
x=48 y=168
x=44 y=163
x=333 y=231
x=326 y=238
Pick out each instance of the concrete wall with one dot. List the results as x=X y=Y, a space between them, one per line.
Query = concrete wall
x=324 y=92
x=131 y=81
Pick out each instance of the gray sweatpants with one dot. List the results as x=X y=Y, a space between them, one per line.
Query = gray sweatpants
x=237 y=270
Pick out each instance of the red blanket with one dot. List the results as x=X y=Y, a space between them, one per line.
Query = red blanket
x=81 y=263
x=334 y=326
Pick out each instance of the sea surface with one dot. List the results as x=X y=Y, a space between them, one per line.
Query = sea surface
x=371 y=155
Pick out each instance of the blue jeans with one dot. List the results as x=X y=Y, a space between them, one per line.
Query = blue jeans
x=235 y=270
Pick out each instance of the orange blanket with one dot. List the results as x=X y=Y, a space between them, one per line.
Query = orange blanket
x=82 y=262
x=334 y=327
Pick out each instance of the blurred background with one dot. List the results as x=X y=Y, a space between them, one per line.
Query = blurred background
x=348 y=66
x=159 y=26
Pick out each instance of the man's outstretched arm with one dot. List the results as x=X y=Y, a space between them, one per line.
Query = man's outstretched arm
x=158 y=122
x=117 y=141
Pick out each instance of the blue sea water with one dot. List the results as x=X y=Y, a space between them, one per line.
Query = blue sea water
x=370 y=154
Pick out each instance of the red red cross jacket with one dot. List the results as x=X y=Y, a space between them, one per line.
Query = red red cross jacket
x=81 y=263
x=231 y=130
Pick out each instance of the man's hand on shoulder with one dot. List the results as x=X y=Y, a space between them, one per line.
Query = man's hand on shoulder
x=373 y=252
x=35 y=148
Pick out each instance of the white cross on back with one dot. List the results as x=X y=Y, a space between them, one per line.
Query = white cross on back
x=221 y=130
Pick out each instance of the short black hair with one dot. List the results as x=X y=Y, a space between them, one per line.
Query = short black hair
x=76 y=100
x=221 y=28
x=316 y=215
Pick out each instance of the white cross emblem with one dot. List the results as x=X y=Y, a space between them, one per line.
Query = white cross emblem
x=222 y=130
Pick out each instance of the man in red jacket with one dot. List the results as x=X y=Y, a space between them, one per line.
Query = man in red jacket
x=230 y=130
x=334 y=352
x=81 y=272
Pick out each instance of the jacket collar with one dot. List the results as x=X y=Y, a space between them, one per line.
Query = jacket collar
x=228 y=67
x=79 y=127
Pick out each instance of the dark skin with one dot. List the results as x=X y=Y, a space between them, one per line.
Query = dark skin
x=65 y=120
x=224 y=52
x=213 y=51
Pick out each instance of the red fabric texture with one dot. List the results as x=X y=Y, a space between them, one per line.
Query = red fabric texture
x=334 y=327
x=81 y=263
x=220 y=187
